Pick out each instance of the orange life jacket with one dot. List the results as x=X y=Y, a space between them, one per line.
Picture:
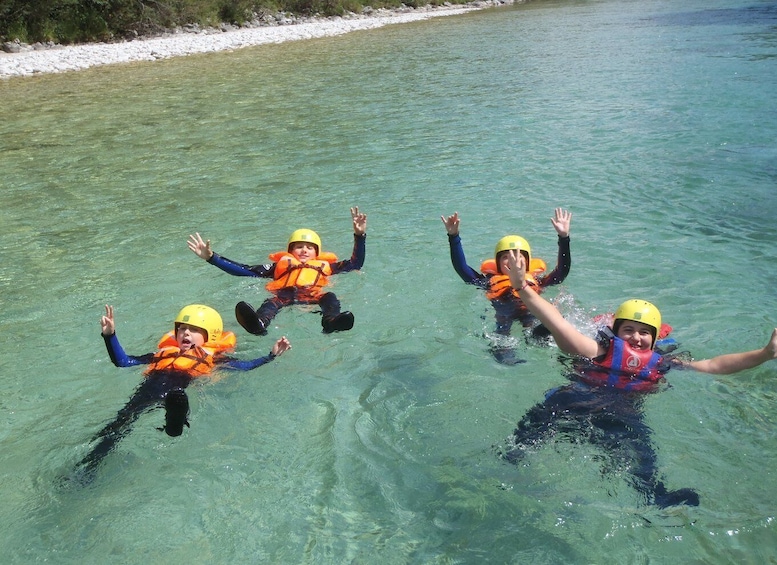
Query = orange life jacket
x=195 y=362
x=289 y=271
x=499 y=284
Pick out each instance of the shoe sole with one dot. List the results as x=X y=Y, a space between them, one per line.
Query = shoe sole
x=246 y=317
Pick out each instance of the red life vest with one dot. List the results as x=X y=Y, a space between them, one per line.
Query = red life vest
x=625 y=368
x=312 y=275
x=195 y=362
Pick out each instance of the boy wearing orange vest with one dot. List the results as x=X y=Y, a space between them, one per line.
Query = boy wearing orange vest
x=494 y=280
x=299 y=275
x=197 y=345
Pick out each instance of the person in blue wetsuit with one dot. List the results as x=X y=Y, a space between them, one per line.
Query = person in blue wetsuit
x=494 y=280
x=611 y=375
x=197 y=345
x=299 y=275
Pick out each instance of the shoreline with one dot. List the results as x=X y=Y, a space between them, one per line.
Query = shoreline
x=61 y=59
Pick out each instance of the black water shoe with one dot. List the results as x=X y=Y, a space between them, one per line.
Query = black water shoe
x=340 y=323
x=665 y=498
x=247 y=318
x=176 y=412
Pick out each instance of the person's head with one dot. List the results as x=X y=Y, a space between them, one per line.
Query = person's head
x=195 y=324
x=506 y=244
x=304 y=244
x=638 y=323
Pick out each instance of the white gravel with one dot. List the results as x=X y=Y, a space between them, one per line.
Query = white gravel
x=73 y=58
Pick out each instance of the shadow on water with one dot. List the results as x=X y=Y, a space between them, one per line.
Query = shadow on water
x=755 y=14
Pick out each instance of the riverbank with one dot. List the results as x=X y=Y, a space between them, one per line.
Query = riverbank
x=60 y=59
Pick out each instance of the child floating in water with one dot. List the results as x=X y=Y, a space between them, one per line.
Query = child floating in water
x=197 y=345
x=611 y=376
x=494 y=280
x=299 y=275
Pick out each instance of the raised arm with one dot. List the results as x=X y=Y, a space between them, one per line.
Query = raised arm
x=359 y=221
x=734 y=362
x=107 y=323
x=566 y=335
x=202 y=249
x=451 y=223
x=356 y=261
x=561 y=221
x=115 y=351
x=279 y=348
x=458 y=260
x=199 y=247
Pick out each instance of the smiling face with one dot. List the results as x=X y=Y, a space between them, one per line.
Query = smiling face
x=638 y=335
x=190 y=336
x=303 y=251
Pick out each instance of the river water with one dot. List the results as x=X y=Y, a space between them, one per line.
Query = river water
x=653 y=122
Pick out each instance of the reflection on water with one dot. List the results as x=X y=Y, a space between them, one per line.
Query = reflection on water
x=379 y=444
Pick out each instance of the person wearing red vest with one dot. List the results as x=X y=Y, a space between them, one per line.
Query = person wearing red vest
x=611 y=376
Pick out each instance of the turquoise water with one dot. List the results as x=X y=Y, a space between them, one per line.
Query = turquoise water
x=654 y=122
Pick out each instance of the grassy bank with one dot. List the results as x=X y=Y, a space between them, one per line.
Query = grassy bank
x=80 y=21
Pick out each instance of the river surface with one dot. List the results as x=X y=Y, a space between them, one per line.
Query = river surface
x=653 y=122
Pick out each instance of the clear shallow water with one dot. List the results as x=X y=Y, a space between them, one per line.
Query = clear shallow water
x=653 y=123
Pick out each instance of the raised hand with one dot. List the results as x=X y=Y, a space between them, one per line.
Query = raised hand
x=516 y=269
x=451 y=223
x=281 y=346
x=106 y=322
x=359 y=221
x=561 y=221
x=199 y=247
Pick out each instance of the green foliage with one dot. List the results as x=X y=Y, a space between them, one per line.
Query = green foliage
x=77 y=21
x=236 y=11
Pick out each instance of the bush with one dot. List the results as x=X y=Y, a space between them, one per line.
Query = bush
x=75 y=21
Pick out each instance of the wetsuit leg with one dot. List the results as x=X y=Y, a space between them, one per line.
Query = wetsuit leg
x=144 y=399
x=176 y=412
x=612 y=420
x=544 y=420
x=622 y=433
x=505 y=312
x=332 y=320
x=504 y=354
x=257 y=322
x=151 y=392
x=535 y=427
x=541 y=333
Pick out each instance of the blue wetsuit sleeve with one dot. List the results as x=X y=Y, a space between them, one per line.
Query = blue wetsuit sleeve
x=356 y=261
x=241 y=270
x=465 y=272
x=119 y=357
x=563 y=264
x=247 y=365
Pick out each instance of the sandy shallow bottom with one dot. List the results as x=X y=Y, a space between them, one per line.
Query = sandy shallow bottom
x=73 y=58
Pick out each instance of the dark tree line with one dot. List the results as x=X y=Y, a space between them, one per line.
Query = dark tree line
x=78 y=21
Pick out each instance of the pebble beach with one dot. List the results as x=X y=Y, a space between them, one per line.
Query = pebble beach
x=29 y=60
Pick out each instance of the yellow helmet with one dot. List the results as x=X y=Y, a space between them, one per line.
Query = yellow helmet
x=509 y=242
x=307 y=236
x=639 y=311
x=512 y=242
x=203 y=317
